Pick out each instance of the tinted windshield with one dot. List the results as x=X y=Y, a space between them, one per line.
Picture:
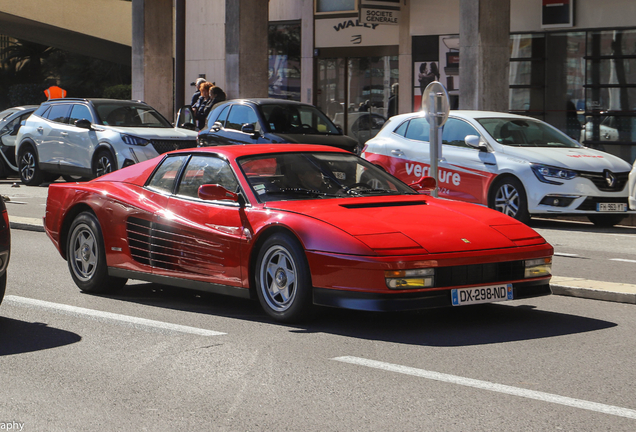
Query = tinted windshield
x=297 y=119
x=293 y=176
x=525 y=133
x=130 y=115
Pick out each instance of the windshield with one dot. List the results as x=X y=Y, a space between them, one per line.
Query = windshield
x=297 y=119
x=525 y=133
x=130 y=115
x=293 y=176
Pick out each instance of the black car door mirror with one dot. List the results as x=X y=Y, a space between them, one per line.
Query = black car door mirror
x=249 y=128
x=217 y=126
x=84 y=124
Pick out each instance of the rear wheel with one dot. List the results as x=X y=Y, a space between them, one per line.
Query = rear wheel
x=509 y=197
x=3 y=285
x=283 y=283
x=30 y=172
x=86 y=256
x=606 y=220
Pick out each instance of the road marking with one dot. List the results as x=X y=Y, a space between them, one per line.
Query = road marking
x=142 y=323
x=486 y=385
x=622 y=260
x=566 y=255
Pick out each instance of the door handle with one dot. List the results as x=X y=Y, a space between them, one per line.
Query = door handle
x=40 y=129
x=64 y=133
x=397 y=152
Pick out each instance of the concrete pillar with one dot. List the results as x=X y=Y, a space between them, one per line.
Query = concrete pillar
x=484 y=46
x=405 y=62
x=307 y=53
x=152 y=51
x=246 y=48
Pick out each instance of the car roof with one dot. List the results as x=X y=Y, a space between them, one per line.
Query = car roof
x=468 y=114
x=267 y=101
x=234 y=151
x=95 y=100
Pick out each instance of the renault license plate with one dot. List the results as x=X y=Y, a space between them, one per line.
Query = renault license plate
x=611 y=207
x=484 y=294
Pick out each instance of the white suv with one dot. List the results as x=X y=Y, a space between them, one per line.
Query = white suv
x=86 y=138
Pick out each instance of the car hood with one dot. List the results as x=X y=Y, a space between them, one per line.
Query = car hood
x=580 y=159
x=154 y=133
x=341 y=141
x=407 y=225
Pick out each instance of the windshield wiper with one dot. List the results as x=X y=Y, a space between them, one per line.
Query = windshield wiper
x=304 y=191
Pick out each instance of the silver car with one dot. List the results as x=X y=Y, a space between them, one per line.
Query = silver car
x=87 y=138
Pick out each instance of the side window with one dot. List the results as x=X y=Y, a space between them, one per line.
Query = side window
x=165 y=176
x=455 y=132
x=240 y=115
x=221 y=118
x=401 y=130
x=59 y=113
x=80 y=112
x=418 y=129
x=206 y=170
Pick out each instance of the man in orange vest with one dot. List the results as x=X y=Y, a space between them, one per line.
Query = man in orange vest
x=54 y=92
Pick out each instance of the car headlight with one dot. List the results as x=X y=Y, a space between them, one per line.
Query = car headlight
x=544 y=173
x=410 y=279
x=538 y=267
x=134 y=140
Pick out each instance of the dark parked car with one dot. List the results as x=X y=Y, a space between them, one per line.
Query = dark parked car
x=5 y=247
x=271 y=121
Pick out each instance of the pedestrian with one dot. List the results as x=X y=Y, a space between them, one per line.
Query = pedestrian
x=203 y=106
x=197 y=93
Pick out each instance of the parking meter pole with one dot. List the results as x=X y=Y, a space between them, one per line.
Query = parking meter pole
x=436 y=106
x=433 y=140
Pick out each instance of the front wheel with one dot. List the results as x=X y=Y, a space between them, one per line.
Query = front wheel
x=104 y=163
x=606 y=220
x=30 y=172
x=509 y=197
x=283 y=282
x=86 y=256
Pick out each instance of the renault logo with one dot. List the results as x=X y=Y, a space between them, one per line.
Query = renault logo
x=610 y=178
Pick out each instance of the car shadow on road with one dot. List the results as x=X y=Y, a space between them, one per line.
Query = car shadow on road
x=579 y=226
x=444 y=327
x=18 y=337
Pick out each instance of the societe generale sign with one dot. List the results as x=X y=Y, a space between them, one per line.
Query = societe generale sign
x=383 y=12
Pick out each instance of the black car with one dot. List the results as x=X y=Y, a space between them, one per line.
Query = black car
x=271 y=121
x=5 y=247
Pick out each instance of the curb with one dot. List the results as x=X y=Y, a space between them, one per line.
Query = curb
x=27 y=224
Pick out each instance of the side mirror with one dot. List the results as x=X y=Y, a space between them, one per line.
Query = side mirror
x=185 y=118
x=249 y=128
x=84 y=124
x=474 y=142
x=339 y=128
x=215 y=192
x=217 y=126
x=424 y=184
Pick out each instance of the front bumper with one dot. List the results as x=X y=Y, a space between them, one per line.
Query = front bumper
x=379 y=302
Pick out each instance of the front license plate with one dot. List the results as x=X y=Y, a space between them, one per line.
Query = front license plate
x=611 y=207
x=484 y=294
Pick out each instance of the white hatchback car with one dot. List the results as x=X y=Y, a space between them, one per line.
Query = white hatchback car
x=86 y=138
x=518 y=165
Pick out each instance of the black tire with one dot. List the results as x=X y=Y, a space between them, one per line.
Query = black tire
x=104 y=163
x=4 y=169
x=508 y=196
x=283 y=282
x=86 y=256
x=71 y=178
x=606 y=220
x=28 y=165
x=3 y=285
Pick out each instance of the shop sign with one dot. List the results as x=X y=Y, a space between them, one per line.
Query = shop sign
x=557 y=13
x=344 y=32
x=383 y=12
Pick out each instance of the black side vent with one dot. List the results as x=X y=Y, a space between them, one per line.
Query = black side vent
x=383 y=204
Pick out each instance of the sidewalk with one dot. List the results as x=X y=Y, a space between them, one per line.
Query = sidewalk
x=564 y=286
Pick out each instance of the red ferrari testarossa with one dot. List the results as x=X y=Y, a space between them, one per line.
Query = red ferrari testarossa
x=294 y=226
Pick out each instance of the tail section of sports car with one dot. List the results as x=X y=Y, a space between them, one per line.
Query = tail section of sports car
x=294 y=226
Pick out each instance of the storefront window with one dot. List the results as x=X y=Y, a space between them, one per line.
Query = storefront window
x=527 y=76
x=325 y=6
x=284 y=61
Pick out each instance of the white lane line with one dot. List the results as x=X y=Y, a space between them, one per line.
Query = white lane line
x=486 y=385
x=565 y=254
x=622 y=260
x=142 y=323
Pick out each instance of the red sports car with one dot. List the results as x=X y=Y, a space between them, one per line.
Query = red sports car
x=294 y=226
